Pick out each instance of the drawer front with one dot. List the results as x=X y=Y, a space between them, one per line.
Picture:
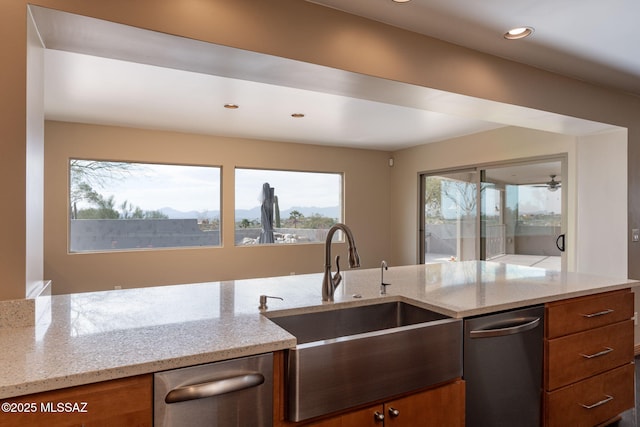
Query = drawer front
x=575 y=357
x=592 y=401
x=580 y=314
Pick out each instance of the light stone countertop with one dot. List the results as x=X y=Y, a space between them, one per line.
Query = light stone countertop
x=97 y=336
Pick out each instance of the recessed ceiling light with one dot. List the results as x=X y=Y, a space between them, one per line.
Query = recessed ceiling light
x=231 y=106
x=297 y=115
x=518 y=33
x=401 y=1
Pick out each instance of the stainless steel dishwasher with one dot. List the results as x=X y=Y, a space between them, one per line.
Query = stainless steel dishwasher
x=233 y=393
x=503 y=356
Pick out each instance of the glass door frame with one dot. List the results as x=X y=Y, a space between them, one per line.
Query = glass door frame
x=478 y=170
x=421 y=210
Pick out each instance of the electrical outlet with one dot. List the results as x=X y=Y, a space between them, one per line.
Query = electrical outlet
x=635 y=235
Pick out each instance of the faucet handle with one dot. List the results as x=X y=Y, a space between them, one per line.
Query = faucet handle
x=263 y=301
x=337 y=278
x=383 y=288
x=383 y=285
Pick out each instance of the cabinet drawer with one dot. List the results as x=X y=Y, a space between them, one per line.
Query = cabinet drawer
x=120 y=402
x=578 y=356
x=592 y=401
x=580 y=314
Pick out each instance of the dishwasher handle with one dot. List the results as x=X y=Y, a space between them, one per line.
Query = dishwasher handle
x=499 y=329
x=214 y=388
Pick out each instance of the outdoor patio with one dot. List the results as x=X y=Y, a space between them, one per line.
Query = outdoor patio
x=540 y=261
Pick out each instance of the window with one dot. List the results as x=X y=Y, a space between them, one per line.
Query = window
x=279 y=207
x=127 y=206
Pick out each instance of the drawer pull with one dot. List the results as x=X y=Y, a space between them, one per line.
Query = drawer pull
x=607 y=350
x=595 y=405
x=599 y=313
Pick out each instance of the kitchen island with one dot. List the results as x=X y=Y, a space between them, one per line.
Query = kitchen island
x=92 y=337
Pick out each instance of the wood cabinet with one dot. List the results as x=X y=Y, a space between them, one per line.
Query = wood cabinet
x=121 y=402
x=441 y=406
x=588 y=356
x=436 y=407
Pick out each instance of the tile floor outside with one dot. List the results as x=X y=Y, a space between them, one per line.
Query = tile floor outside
x=541 y=261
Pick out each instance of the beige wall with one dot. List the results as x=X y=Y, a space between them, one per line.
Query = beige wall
x=602 y=231
x=13 y=125
x=366 y=191
x=500 y=145
x=307 y=32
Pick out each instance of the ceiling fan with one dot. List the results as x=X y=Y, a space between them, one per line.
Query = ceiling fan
x=552 y=185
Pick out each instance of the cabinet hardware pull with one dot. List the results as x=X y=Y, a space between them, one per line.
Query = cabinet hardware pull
x=214 y=388
x=607 y=350
x=378 y=416
x=393 y=412
x=595 y=405
x=599 y=313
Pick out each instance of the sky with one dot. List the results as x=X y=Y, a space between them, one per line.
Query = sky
x=197 y=188
x=292 y=188
x=527 y=199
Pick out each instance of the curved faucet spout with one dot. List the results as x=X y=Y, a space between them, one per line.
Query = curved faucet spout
x=330 y=282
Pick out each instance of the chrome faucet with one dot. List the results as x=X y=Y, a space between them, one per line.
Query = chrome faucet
x=330 y=282
x=383 y=286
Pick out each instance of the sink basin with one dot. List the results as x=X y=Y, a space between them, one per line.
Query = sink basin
x=355 y=355
x=325 y=325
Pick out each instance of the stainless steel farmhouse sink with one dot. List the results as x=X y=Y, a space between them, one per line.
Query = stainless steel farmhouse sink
x=350 y=356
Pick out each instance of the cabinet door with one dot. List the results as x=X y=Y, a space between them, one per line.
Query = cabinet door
x=360 y=418
x=364 y=417
x=122 y=402
x=442 y=406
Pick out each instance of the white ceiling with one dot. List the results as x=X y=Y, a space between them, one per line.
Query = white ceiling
x=106 y=73
x=91 y=89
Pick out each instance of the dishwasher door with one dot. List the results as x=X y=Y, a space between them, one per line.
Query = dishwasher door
x=503 y=357
x=233 y=393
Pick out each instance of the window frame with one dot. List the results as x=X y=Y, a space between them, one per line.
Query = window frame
x=70 y=251
x=340 y=199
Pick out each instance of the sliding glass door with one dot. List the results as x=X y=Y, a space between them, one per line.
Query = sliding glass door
x=522 y=218
x=510 y=213
x=449 y=216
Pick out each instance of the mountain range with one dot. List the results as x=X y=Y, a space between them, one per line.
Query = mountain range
x=253 y=213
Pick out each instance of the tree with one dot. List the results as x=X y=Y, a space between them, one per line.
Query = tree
x=85 y=176
x=461 y=194
x=317 y=221
x=104 y=207
x=433 y=197
x=295 y=216
x=96 y=172
x=128 y=211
